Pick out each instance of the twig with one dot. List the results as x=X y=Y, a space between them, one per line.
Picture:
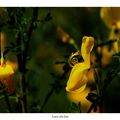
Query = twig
x=91 y=107
x=20 y=67
x=51 y=92
x=104 y=43
x=29 y=34
x=31 y=29
x=46 y=99
x=22 y=61
x=6 y=97
x=7 y=101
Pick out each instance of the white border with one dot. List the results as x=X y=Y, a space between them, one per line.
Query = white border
x=59 y=116
x=59 y=3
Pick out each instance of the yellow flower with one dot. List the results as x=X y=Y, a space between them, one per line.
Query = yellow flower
x=106 y=55
x=63 y=36
x=78 y=76
x=7 y=77
x=111 y=16
x=76 y=98
x=6 y=70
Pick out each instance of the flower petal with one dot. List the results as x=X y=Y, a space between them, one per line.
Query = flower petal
x=86 y=48
x=111 y=16
x=77 y=80
x=7 y=77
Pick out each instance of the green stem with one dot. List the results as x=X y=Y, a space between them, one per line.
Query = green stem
x=22 y=61
x=46 y=99
x=51 y=92
x=100 y=85
x=22 y=100
x=6 y=97
x=72 y=42
x=7 y=101
x=104 y=43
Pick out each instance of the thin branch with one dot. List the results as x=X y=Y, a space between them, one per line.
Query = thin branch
x=29 y=34
x=104 y=43
x=31 y=29
x=52 y=90
x=7 y=101
x=22 y=60
x=91 y=107
x=6 y=97
x=46 y=99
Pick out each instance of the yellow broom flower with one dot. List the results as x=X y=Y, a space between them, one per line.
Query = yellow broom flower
x=7 y=77
x=78 y=78
x=6 y=70
x=63 y=36
x=76 y=97
x=85 y=104
x=111 y=17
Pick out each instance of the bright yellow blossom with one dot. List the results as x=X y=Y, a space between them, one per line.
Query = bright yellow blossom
x=76 y=98
x=78 y=76
x=111 y=17
x=6 y=70
x=7 y=77
x=63 y=36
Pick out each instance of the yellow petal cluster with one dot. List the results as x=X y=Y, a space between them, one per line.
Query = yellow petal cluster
x=111 y=16
x=63 y=36
x=78 y=76
x=6 y=70
x=76 y=97
x=85 y=104
x=7 y=77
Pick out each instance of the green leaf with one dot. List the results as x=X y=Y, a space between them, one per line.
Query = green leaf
x=76 y=107
x=118 y=74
